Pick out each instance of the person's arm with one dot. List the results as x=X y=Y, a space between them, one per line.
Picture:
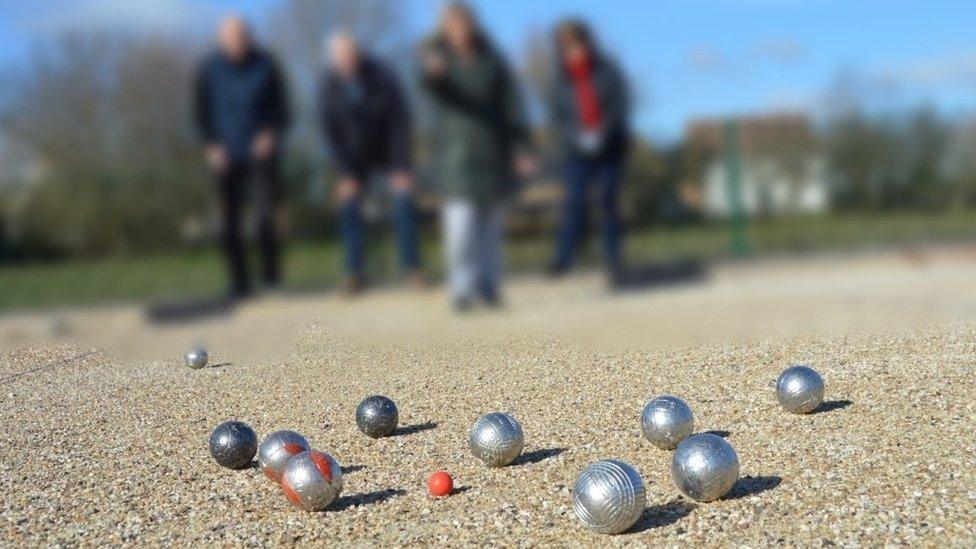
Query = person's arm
x=330 y=120
x=202 y=114
x=215 y=154
x=618 y=107
x=513 y=111
x=400 y=124
x=279 y=112
x=435 y=79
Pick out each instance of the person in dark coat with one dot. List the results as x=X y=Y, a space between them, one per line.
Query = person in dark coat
x=590 y=110
x=366 y=120
x=241 y=113
x=481 y=149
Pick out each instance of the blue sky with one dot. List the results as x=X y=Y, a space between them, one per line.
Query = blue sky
x=689 y=58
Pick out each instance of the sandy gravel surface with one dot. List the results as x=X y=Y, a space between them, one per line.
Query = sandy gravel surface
x=100 y=447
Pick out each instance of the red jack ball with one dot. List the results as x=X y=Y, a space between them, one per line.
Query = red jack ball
x=440 y=484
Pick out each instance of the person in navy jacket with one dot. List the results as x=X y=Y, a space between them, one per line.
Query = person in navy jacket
x=241 y=112
x=366 y=121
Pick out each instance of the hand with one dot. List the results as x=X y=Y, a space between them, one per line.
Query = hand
x=434 y=63
x=347 y=189
x=525 y=165
x=401 y=181
x=216 y=158
x=263 y=145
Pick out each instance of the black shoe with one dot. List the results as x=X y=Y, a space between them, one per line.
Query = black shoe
x=462 y=305
x=491 y=298
x=557 y=270
x=238 y=294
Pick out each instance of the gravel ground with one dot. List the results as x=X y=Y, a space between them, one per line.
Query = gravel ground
x=104 y=448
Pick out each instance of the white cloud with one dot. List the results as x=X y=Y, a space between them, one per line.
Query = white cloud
x=784 y=50
x=126 y=15
x=954 y=69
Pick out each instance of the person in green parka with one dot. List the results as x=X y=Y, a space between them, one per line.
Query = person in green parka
x=482 y=147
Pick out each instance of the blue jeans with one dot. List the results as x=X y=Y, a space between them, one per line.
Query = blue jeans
x=353 y=233
x=580 y=174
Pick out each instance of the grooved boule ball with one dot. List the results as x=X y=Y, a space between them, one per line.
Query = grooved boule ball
x=704 y=467
x=312 y=480
x=233 y=444
x=609 y=497
x=276 y=449
x=666 y=421
x=496 y=439
x=377 y=416
x=800 y=389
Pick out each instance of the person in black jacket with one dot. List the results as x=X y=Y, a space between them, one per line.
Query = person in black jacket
x=366 y=120
x=241 y=113
x=590 y=111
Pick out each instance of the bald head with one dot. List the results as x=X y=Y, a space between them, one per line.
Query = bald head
x=234 y=37
x=343 y=52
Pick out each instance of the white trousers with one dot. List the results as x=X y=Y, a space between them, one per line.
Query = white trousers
x=473 y=234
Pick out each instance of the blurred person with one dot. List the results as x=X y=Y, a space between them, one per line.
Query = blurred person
x=241 y=112
x=366 y=120
x=482 y=144
x=590 y=108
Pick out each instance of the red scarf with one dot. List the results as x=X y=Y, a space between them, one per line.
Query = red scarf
x=587 y=102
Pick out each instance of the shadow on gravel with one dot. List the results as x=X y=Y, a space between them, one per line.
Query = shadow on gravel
x=750 y=486
x=535 y=456
x=459 y=490
x=414 y=429
x=718 y=433
x=352 y=469
x=832 y=405
x=221 y=365
x=656 y=516
x=368 y=498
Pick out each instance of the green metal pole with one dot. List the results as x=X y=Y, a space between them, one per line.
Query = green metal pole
x=733 y=172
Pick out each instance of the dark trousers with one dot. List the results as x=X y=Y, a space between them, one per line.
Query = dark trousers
x=580 y=175
x=233 y=186
x=354 y=238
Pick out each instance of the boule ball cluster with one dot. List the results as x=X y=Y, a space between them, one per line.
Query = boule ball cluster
x=233 y=444
x=312 y=480
x=196 y=358
x=276 y=449
x=609 y=497
x=377 y=416
x=704 y=467
x=799 y=389
x=496 y=439
x=666 y=421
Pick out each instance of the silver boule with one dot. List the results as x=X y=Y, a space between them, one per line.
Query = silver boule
x=377 y=416
x=800 y=389
x=276 y=449
x=233 y=444
x=196 y=358
x=496 y=439
x=609 y=497
x=666 y=421
x=704 y=467
x=312 y=480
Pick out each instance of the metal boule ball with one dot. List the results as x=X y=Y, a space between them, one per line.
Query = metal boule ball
x=276 y=449
x=496 y=439
x=196 y=358
x=609 y=497
x=233 y=444
x=666 y=421
x=312 y=480
x=704 y=467
x=377 y=416
x=800 y=389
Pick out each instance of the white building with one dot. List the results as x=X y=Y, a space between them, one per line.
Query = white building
x=767 y=188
